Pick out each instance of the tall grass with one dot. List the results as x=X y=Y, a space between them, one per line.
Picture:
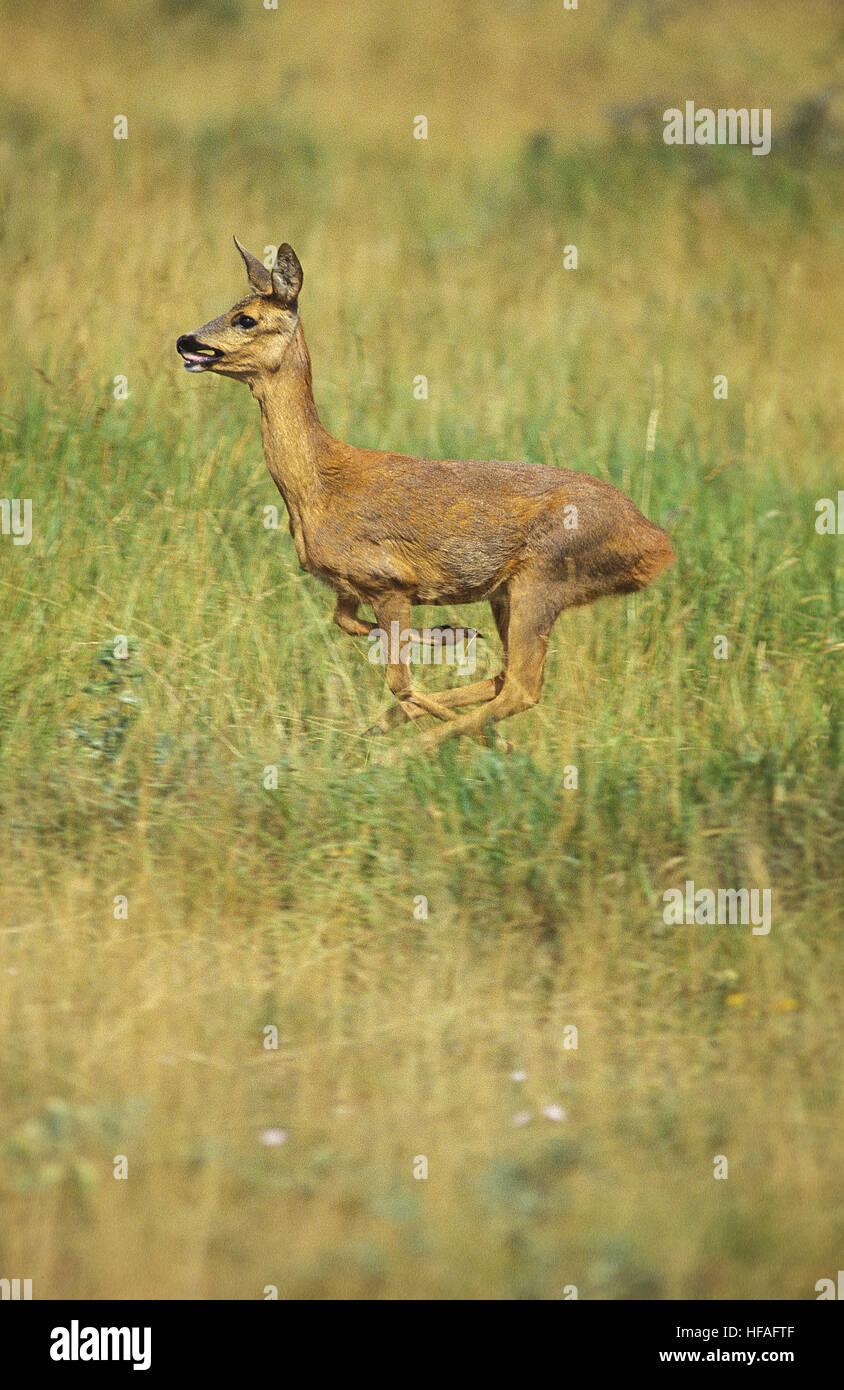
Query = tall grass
x=299 y=907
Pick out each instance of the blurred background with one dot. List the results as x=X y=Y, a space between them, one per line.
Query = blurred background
x=422 y=938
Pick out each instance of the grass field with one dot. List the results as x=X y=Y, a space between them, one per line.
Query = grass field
x=161 y=908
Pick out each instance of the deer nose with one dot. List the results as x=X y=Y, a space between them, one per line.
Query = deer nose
x=187 y=343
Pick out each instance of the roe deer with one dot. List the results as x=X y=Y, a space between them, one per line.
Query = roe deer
x=392 y=531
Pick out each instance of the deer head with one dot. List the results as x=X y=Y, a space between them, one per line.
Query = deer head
x=252 y=337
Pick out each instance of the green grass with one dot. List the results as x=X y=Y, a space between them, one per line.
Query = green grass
x=294 y=906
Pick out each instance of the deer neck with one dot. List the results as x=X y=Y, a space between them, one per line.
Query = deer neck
x=294 y=439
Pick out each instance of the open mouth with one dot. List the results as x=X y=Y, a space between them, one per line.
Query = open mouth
x=197 y=357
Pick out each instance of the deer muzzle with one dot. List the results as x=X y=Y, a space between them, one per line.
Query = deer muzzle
x=198 y=356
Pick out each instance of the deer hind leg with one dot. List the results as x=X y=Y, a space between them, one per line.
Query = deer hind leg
x=500 y=605
x=528 y=621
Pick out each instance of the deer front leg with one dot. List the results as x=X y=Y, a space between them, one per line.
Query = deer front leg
x=477 y=693
x=393 y=617
x=474 y=694
x=528 y=625
x=346 y=617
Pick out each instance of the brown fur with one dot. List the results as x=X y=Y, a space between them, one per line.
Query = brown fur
x=392 y=530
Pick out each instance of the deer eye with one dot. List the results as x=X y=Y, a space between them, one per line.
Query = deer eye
x=244 y=321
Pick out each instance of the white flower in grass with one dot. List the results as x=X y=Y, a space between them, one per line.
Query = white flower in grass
x=273 y=1137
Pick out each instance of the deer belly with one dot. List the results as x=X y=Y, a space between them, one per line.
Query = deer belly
x=455 y=570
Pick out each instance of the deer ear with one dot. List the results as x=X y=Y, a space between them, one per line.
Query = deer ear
x=287 y=276
x=259 y=277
